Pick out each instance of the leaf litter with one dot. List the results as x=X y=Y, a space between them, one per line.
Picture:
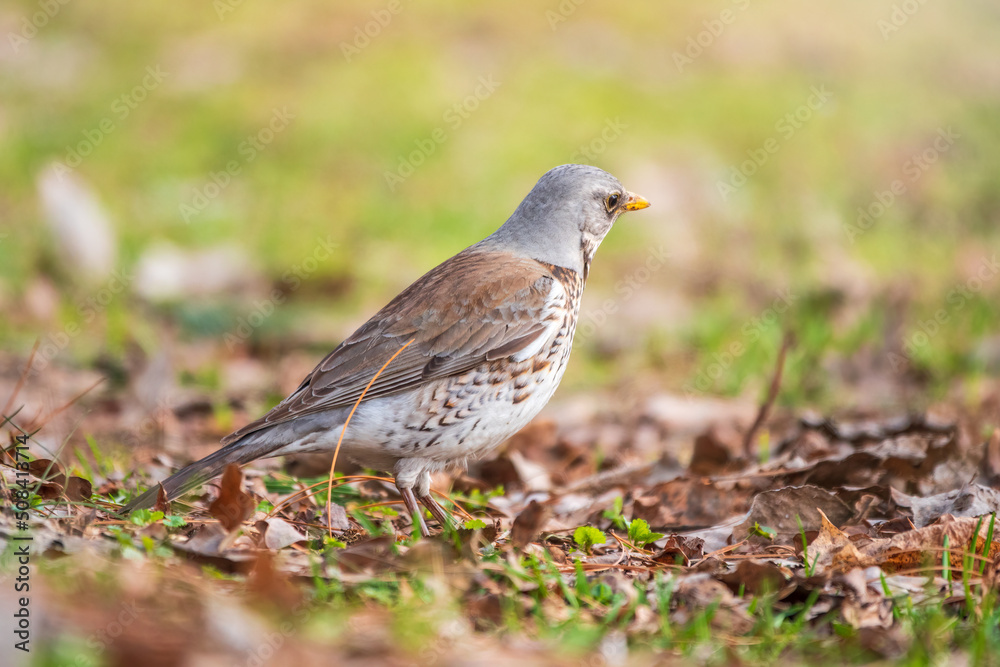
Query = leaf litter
x=844 y=521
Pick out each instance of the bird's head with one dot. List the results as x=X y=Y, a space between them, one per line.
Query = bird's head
x=566 y=215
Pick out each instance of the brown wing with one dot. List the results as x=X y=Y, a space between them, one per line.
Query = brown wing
x=475 y=307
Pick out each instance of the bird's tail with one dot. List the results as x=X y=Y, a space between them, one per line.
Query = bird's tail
x=246 y=449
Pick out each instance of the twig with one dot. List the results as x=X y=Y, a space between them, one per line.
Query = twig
x=45 y=420
x=772 y=394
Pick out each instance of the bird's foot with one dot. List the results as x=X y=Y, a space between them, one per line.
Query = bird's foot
x=414 y=510
x=439 y=512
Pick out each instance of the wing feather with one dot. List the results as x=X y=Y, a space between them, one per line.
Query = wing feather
x=478 y=306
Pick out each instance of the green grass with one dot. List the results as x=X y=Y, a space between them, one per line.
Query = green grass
x=579 y=614
x=324 y=174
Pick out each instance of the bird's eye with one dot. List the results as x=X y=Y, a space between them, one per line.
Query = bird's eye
x=611 y=202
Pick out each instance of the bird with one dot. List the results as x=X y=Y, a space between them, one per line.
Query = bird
x=478 y=346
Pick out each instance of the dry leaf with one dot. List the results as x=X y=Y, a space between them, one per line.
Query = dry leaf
x=484 y=610
x=270 y=586
x=234 y=505
x=684 y=503
x=864 y=606
x=368 y=556
x=697 y=591
x=712 y=455
x=528 y=523
x=208 y=545
x=45 y=469
x=49 y=490
x=681 y=548
x=924 y=547
x=338 y=520
x=55 y=484
x=970 y=501
x=162 y=504
x=278 y=533
x=832 y=549
x=756 y=578
x=782 y=509
x=78 y=488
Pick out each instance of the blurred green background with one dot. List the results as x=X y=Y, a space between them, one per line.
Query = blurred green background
x=397 y=133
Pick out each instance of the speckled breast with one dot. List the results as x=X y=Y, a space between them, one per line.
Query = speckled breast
x=466 y=416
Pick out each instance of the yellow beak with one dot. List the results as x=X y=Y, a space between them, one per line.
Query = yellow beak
x=635 y=202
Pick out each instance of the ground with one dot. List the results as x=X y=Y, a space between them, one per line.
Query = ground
x=787 y=366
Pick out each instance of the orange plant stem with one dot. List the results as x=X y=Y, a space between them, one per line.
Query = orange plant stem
x=329 y=486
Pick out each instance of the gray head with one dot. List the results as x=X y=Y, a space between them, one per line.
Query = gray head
x=566 y=216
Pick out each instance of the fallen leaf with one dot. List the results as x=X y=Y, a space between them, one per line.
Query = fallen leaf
x=858 y=469
x=679 y=547
x=685 y=502
x=54 y=481
x=528 y=523
x=234 y=505
x=78 y=488
x=368 y=556
x=49 y=490
x=278 y=533
x=338 y=520
x=155 y=530
x=162 y=504
x=888 y=642
x=271 y=587
x=756 y=578
x=533 y=476
x=864 y=607
x=207 y=545
x=782 y=509
x=831 y=550
x=970 y=501
x=45 y=469
x=55 y=484
x=712 y=456
x=871 y=502
x=499 y=472
x=924 y=547
x=484 y=610
x=696 y=592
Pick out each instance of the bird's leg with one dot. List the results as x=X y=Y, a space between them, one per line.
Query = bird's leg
x=425 y=497
x=439 y=512
x=413 y=508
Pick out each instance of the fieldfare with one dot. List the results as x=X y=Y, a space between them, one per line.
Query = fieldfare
x=484 y=337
